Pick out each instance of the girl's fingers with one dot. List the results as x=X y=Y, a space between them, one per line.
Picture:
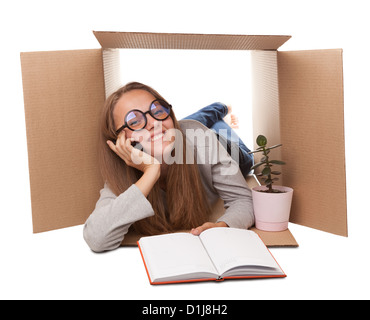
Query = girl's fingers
x=131 y=156
x=121 y=139
x=197 y=231
x=119 y=147
x=112 y=146
x=121 y=144
x=123 y=148
x=128 y=144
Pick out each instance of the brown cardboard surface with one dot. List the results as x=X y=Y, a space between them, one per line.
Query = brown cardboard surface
x=63 y=95
x=270 y=239
x=147 y=40
x=277 y=239
x=312 y=133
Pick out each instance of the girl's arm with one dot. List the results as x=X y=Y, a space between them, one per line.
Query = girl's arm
x=108 y=224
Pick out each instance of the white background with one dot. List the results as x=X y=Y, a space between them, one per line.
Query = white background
x=59 y=265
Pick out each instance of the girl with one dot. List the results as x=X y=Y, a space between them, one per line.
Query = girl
x=170 y=185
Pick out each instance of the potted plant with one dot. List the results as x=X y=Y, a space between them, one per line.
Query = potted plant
x=271 y=203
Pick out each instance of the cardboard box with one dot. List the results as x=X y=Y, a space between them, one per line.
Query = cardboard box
x=297 y=101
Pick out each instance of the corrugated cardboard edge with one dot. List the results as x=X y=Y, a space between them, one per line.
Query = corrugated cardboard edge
x=188 y=41
x=265 y=103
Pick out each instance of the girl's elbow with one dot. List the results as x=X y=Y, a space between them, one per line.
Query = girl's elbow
x=96 y=241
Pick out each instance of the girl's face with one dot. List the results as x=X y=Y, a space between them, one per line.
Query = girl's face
x=157 y=136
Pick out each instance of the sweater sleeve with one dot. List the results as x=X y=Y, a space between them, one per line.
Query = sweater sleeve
x=109 y=222
x=232 y=188
x=221 y=175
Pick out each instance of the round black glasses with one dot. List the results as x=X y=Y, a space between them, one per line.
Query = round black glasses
x=136 y=120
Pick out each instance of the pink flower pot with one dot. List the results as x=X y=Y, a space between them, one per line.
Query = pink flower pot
x=272 y=210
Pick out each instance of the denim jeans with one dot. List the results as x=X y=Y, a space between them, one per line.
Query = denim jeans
x=212 y=117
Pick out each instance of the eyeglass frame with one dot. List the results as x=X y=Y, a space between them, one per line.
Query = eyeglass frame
x=125 y=125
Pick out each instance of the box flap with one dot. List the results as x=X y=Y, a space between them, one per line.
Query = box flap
x=312 y=133
x=146 y=40
x=63 y=96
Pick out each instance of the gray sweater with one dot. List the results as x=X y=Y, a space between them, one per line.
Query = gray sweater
x=110 y=221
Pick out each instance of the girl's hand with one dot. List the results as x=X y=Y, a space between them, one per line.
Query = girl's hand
x=197 y=231
x=133 y=157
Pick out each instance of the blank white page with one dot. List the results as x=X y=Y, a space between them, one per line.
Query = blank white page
x=229 y=248
x=175 y=254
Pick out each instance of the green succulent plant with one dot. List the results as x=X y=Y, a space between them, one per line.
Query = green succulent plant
x=267 y=172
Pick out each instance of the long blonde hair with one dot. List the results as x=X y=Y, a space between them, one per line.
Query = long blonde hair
x=186 y=199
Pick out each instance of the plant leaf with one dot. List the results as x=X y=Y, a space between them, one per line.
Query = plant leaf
x=261 y=140
x=276 y=173
x=266 y=171
x=257 y=165
x=277 y=162
x=268 y=181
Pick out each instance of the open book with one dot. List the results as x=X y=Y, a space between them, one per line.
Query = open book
x=217 y=254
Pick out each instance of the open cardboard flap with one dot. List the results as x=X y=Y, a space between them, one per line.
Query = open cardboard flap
x=63 y=96
x=300 y=95
x=312 y=133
